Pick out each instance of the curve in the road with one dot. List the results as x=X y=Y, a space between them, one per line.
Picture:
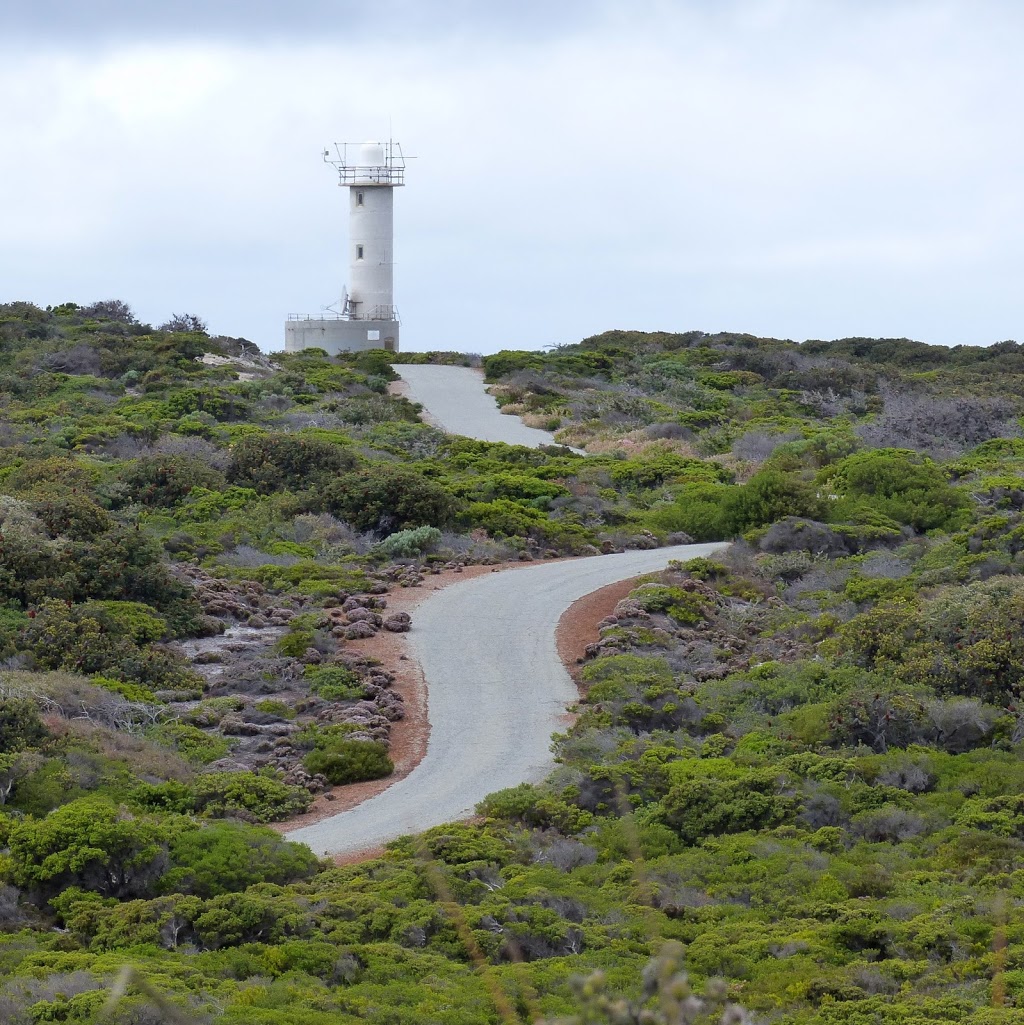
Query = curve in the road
x=497 y=690
x=456 y=398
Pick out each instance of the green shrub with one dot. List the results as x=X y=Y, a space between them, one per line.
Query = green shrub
x=20 y=725
x=698 y=510
x=687 y=608
x=389 y=498
x=708 y=800
x=73 y=516
x=967 y=640
x=258 y=797
x=141 y=622
x=89 y=639
x=335 y=683
x=166 y=480
x=505 y=518
x=89 y=843
x=899 y=484
x=193 y=744
x=268 y=463
x=535 y=806
x=350 y=761
x=769 y=496
x=407 y=544
x=300 y=635
x=271 y=706
x=507 y=361
x=227 y=857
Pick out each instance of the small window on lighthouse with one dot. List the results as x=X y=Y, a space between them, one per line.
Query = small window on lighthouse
x=359 y=252
x=359 y=199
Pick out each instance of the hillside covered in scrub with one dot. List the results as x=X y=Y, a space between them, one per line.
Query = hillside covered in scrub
x=801 y=760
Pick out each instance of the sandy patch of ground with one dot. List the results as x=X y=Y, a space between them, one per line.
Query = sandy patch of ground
x=578 y=626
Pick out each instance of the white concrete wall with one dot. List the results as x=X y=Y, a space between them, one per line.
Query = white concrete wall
x=371 y=234
x=336 y=336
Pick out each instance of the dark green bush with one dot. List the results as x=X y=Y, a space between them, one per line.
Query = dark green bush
x=389 y=498
x=166 y=480
x=20 y=725
x=703 y=804
x=275 y=462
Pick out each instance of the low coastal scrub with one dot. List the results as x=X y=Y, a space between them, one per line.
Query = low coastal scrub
x=798 y=763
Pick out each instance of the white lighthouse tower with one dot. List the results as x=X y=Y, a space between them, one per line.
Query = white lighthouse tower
x=367 y=317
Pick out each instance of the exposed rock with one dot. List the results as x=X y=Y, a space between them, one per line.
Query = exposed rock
x=364 y=616
x=398 y=622
x=679 y=537
x=644 y=541
x=630 y=608
x=360 y=629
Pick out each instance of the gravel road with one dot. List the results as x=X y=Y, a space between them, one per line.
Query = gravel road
x=496 y=692
x=455 y=398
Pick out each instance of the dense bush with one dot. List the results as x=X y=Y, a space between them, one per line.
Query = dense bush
x=350 y=761
x=335 y=683
x=389 y=498
x=245 y=795
x=274 y=462
x=166 y=480
x=900 y=485
x=967 y=641
x=407 y=544
x=89 y=843
x=108 y=638
x=20 y=725
x=227 y=857
x=703 y=803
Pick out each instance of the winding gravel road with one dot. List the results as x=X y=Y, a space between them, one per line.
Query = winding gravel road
x=497 y=690
x=455 y=398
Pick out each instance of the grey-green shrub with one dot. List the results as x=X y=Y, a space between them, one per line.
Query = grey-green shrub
x=407 y=544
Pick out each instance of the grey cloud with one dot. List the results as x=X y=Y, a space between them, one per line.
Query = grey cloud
x=67 y=21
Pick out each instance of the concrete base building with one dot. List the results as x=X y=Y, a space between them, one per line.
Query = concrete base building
x=368 y=318
x=339 y=335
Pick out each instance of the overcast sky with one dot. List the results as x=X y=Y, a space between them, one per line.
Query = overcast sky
x=796 y=168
